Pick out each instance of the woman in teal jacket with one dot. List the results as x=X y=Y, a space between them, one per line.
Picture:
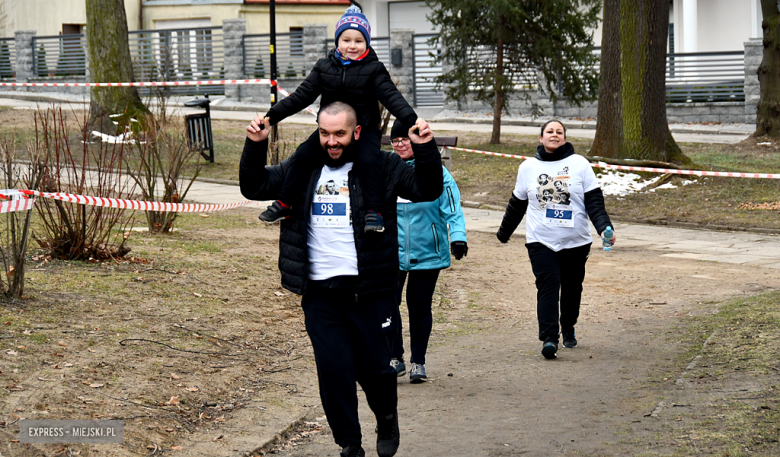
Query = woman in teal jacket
x=423 y=239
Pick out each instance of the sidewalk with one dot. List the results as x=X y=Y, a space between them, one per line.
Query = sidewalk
x=440 y=119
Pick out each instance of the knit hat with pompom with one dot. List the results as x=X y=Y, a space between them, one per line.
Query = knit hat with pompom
x=353 y=18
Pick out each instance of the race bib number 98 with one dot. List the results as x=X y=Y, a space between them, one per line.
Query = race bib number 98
x=329 y=209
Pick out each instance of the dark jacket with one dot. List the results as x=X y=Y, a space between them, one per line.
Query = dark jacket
x=359 y=84
x=516 y=208
x=377 y=253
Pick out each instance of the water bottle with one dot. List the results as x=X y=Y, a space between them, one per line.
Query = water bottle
x=605 y=241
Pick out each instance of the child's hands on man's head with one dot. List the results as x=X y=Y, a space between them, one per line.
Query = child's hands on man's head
x=421 y=132
x=256 y=130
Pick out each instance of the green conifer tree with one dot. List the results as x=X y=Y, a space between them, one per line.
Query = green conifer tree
x=496 y=46
x=42 y=69
x=259 y=67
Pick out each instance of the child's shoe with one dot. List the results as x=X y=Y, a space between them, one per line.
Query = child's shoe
x=275 y=213
x=374 y=222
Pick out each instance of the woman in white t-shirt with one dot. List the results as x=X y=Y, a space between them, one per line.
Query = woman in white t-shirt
x=558 y=191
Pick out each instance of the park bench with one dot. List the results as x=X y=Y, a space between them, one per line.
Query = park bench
x=441 y=141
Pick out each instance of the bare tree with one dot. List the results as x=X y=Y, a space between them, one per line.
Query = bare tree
x=768 y=118
x=18 y=172
x=632 y=96
x=110 y=61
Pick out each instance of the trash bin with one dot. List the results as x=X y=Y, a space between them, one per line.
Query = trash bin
x=199 y=128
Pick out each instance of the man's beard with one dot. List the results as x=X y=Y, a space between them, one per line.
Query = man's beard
x=347 y=155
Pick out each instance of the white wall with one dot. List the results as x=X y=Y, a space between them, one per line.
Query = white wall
x=721 y=25
x=410 y=15
x=724 y=25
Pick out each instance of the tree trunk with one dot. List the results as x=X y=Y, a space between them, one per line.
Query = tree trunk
x=768 y=116
x=110 y=61
x=631 y=121
x=498 y=87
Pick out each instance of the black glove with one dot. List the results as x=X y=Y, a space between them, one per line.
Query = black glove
x=502 y=236
x=459 y=249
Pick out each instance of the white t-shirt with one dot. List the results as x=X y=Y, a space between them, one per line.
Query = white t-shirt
x=331 y=239
x=555 y=191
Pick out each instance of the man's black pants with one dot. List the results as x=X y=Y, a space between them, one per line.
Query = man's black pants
x=351 y=341
x=563 y=272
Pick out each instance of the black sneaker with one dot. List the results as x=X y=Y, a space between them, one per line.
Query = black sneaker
x=417 y=373
x=374 y=222
x=352 y=451
x=569 y=340
x=399 y=366
x=275 y=213
x=550 y=349
x=388 y=437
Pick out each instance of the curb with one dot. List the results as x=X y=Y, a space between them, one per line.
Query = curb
x=280 y=437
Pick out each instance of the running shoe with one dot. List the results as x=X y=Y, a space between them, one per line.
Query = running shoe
x=417 y=373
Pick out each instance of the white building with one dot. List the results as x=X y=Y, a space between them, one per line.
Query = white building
x=696 y=25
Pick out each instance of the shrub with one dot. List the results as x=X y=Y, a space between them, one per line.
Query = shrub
x=73 y=231
x=157 y=168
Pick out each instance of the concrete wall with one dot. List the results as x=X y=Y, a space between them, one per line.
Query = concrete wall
x=754 y=54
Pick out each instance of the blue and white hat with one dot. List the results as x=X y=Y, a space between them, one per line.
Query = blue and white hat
x=353 y=18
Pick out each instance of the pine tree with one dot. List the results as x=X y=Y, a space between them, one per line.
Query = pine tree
x=259 y=67
x=290 y=73
x=42 y=69
x=496 y=46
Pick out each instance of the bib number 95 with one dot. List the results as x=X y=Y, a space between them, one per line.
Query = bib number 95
x=558 y=214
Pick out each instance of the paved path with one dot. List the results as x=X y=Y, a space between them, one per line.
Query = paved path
x=686 y=133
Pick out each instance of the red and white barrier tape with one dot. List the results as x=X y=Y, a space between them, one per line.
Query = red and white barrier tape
x=226 y=82
x=727 y=174
x=24 y=204
x=16 y=205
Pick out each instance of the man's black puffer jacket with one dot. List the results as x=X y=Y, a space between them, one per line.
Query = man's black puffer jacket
x=359 y=84
x=377 y=253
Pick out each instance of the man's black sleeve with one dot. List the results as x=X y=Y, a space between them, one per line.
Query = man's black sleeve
x=257 y=181
x=391 y=98
x=424 y=182
x=594 y=205
x=306 y=93
x=515 y=210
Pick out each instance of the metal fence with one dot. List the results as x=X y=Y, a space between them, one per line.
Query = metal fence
x=290 y=56
x=7 y=58
x=523 y=77
x=381 y=46
x=59 y=56
x=179 y=55
x=705 y=77
x=425 y=71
